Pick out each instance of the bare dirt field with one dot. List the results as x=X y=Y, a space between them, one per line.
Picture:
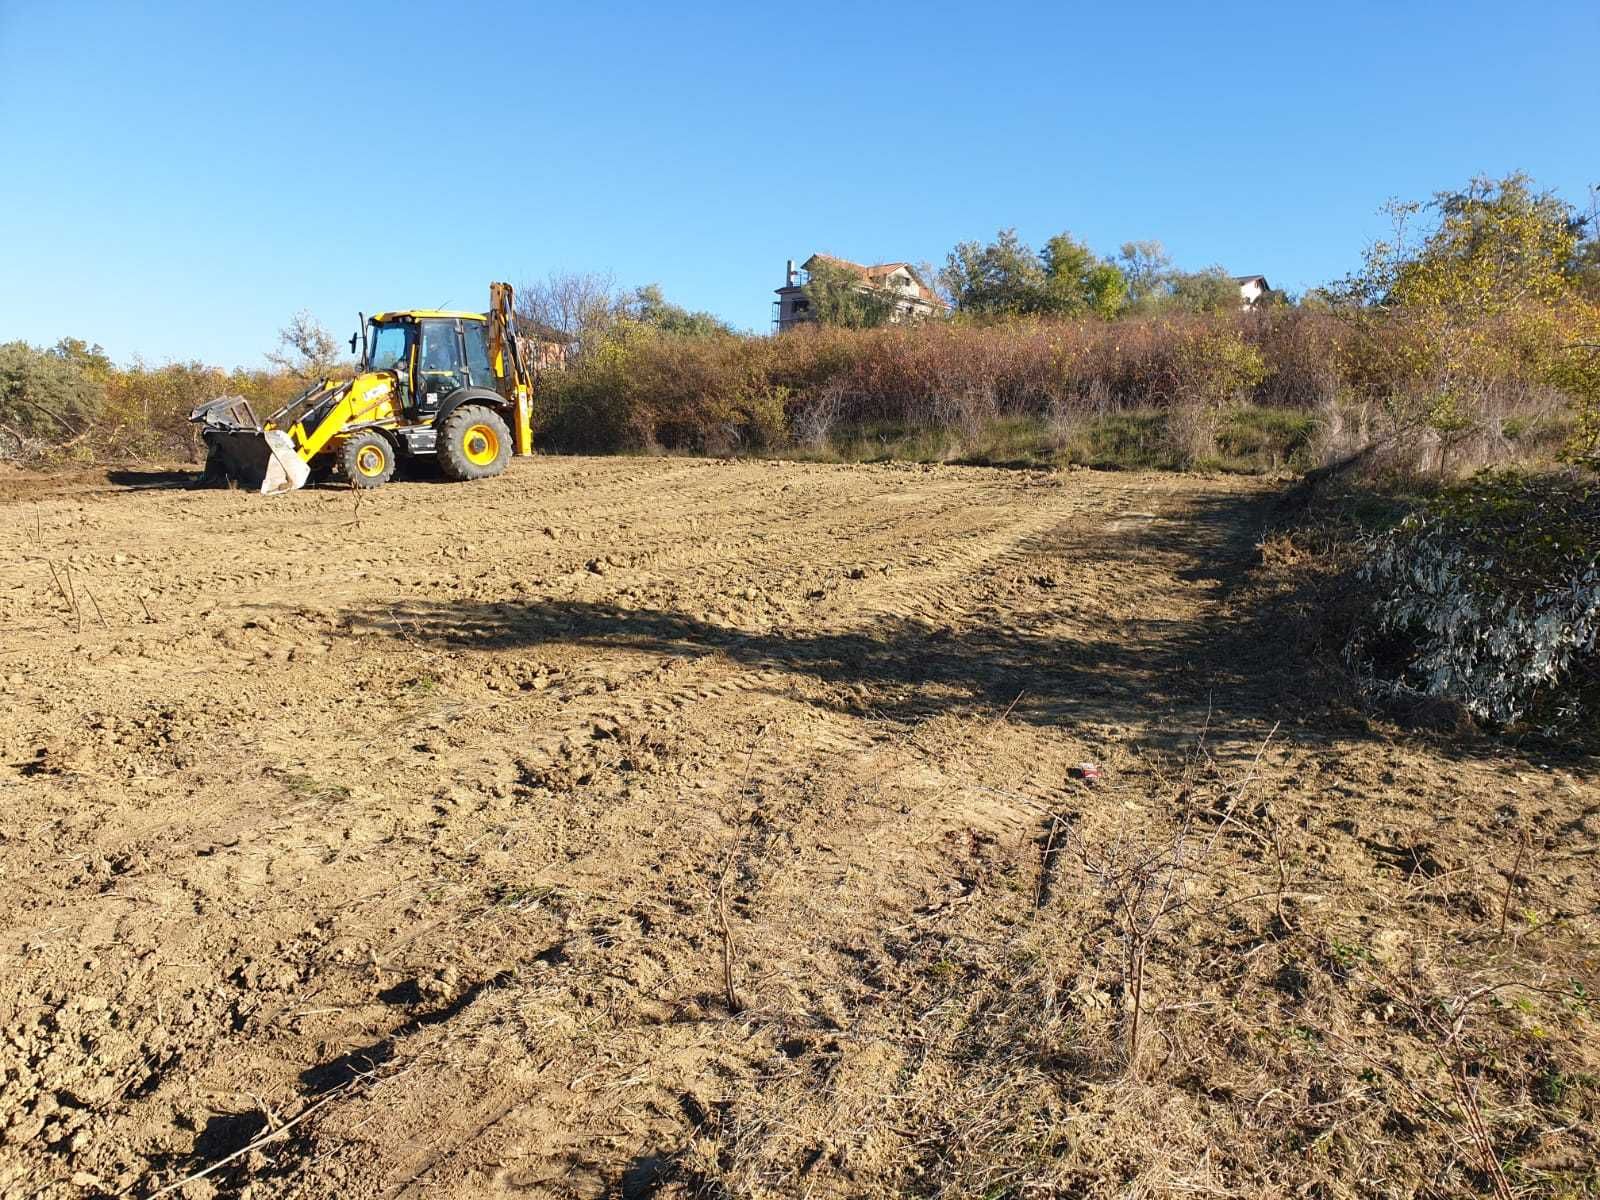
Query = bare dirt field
x=643 y=827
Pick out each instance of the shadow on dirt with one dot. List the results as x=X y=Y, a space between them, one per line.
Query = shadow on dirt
x=225 y=1135
x=227 y=1132
x=1050 y=667
x=150 y=479
x=915 y=670
x=364 y=1059
x=147 y=480
x=1239 y=646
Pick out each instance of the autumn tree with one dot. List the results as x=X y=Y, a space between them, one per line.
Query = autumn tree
x=305 y=349
x=1493 y=246
x=1483 y=278
x=92 y=360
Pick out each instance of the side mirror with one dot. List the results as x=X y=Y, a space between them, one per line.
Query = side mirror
x=353 y=338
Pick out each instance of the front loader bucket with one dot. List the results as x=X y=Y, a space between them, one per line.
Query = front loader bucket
x=256 y=459
x=239 y=449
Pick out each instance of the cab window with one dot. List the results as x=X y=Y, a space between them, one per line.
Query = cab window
x=390 y=346
x=476 y=336
x=439 y=362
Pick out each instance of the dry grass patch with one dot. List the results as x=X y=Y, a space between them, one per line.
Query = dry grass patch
x=1207 y=1001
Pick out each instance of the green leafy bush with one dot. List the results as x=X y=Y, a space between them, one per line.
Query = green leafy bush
x=48 y=396
x=1489 y=596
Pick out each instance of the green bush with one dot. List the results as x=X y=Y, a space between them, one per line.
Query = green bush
x=1489 y=595
x=48 y=396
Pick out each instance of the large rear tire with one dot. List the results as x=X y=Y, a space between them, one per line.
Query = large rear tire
x=367 y=460
x=474 y=443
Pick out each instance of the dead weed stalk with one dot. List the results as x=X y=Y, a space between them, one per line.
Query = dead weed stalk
x=724 y=927
x=1144 y=885
x=1146 y=881
x=1467 y=1098
x=1511 y=881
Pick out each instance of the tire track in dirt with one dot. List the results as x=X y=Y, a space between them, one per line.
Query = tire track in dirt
x=502 y=761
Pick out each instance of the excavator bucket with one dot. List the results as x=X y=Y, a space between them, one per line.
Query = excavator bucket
x=238 y=449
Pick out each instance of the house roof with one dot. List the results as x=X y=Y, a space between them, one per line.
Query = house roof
x=1250 y=279
x=876 y=273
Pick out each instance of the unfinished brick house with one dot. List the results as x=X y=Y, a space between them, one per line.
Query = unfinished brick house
x=913 y=299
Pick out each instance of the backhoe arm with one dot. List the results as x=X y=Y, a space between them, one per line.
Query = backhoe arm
x=508 y=365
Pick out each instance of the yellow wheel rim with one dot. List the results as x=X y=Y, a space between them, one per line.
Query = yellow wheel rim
x=370 y=461
x=481 y=445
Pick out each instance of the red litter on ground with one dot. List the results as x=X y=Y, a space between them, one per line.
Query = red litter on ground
x=1086 y=771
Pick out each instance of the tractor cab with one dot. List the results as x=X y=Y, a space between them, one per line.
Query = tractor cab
x=432 y=354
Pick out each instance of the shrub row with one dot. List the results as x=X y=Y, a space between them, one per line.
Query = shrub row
x=1169 y=390
x=1364 y=375
x=66 y=403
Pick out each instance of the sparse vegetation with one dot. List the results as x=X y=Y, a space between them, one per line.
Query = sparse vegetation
x=1291 y=1040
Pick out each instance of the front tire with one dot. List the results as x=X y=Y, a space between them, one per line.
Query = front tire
x=474 y=443
x=367 y=460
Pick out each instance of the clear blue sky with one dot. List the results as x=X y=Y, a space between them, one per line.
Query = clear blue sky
x=178 y=178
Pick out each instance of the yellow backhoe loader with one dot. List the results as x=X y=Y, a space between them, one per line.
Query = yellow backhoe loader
x=449 y=384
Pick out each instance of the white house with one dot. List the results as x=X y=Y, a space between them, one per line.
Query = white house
x=1251 y=289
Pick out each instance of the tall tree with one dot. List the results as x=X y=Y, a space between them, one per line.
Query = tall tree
x=1155 y=285
x=648 y=306
x=1079 y=281
x=1002 y=278
x=305 y=349
x=1146 y=267
x=580 y=305
x=1492 y=246
x=1211 y=290
x=1007 y=277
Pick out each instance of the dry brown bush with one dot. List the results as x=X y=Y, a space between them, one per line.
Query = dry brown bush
x=1356 y=379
